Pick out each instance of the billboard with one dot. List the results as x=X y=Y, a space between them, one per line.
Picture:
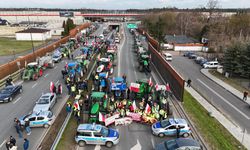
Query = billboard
x=66 y=14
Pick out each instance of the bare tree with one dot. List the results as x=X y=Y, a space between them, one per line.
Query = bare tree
x=212 y=5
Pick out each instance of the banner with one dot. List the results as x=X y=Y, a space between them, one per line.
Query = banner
x=134 y=116
x=123 y=121
x=111 y=119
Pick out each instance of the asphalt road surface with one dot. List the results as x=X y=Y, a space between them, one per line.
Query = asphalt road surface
x=24 y=103
x=232 y=107
x=135 y=136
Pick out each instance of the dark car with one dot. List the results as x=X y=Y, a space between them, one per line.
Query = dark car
x=9 y=92
x=192 y=56
x=179 y=143
x=187 y=54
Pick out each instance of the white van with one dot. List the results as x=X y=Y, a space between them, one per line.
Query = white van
x=168 y=56
x=211 y=65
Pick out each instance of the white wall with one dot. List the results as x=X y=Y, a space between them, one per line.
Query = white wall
x=188 y=48
x=35 y=36
x=167 y=46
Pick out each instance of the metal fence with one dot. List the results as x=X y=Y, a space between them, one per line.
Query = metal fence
x=167 y=72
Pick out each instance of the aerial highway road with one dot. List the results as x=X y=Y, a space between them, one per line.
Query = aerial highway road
x=232 y=107
x=24 y=103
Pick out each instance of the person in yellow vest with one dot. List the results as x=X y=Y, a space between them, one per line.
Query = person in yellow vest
x=163 y=114
x=73 y=90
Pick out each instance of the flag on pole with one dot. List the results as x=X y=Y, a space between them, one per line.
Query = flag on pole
x=76 y=105
x=51 y=87
x=156 y=86
x=168 y=87
x=101 y=117
x=135 y=87
x=147 y=109
x=134 y=106
x=150 y=82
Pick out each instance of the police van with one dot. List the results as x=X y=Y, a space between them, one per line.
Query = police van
x=169 y=126
x=96 y=134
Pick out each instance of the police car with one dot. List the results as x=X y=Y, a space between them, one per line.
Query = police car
x=168 y=127
x=96 y=134
x=39 y=119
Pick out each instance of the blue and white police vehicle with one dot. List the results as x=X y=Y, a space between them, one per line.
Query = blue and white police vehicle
x=169 y=127
x=38 y=119
x=96 y=134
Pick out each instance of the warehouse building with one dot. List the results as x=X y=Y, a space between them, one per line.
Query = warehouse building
x=35 y=34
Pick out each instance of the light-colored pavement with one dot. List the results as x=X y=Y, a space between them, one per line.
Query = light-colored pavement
x=235 y=130
x=226 y=86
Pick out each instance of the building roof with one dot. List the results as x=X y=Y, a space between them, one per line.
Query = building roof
x=179 y=39
x=33 y=30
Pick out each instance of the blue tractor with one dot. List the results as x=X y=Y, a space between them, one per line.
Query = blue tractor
x=118 y=87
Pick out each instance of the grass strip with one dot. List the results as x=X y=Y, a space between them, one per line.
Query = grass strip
x=217 y=137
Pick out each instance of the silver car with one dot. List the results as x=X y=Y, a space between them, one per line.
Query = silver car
x=46 y=102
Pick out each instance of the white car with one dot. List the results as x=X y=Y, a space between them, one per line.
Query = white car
x=168 y=56
x=45 y=103
x=117 y=40
x=168 y=127
x=40 y=119
x=211 y=65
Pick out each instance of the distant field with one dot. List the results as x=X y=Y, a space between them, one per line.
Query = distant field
x=8 y=45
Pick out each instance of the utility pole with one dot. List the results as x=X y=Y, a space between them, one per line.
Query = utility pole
x=31 y=38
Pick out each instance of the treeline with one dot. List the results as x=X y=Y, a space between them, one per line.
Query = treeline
x=152 y=10
x=236 y=60
x=220 y=30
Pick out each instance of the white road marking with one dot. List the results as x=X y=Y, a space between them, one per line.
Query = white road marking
x=20 y=82
x=224 y=99
x=46 y=75
x=57 y=81
x=17 y=100
x=3 y=143
x=137 y=146
x=97 y=147
x=34 y=85
x=55 y=67
x=153 y=142
x=119 y=57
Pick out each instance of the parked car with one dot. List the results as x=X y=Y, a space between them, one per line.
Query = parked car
x=203 y=61
x=96 y=134
x=179 y=144
x=40 y=119
x=186 y=54
x=211 y=65
x=9 y=92
x=168 y=127
x=192 y=56
x=45 y=103
x=168 y=56
x=198 y=59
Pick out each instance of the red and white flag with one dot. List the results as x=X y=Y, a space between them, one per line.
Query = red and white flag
x=150 y=82
x=135 y=87
x=156 y=86
x=168 y=87
x=134 y=106
x=76 y=105
x=101 y=117
x=147 y=109
x=51 y=87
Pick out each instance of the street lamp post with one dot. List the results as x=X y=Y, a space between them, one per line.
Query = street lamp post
x=31 y=38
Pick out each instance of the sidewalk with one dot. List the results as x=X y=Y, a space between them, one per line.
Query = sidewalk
x=236 y=131
x=226 y=86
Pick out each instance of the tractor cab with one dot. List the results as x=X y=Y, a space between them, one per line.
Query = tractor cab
x=118 y=86
x=32 y=71
x=140 y=88
x=98 y=103
x=111 y=54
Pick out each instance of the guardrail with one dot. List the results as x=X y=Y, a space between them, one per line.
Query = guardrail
x=15 y=76
x=59 y=135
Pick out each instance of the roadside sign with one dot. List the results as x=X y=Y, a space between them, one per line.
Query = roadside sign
x=132 y=26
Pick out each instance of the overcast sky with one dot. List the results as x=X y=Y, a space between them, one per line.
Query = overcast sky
x=119 y=4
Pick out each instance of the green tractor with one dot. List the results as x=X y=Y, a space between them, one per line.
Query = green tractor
x=65 y=49
x=32 y=71
x=98 y=103
x=140 y=88
x=144 y=61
